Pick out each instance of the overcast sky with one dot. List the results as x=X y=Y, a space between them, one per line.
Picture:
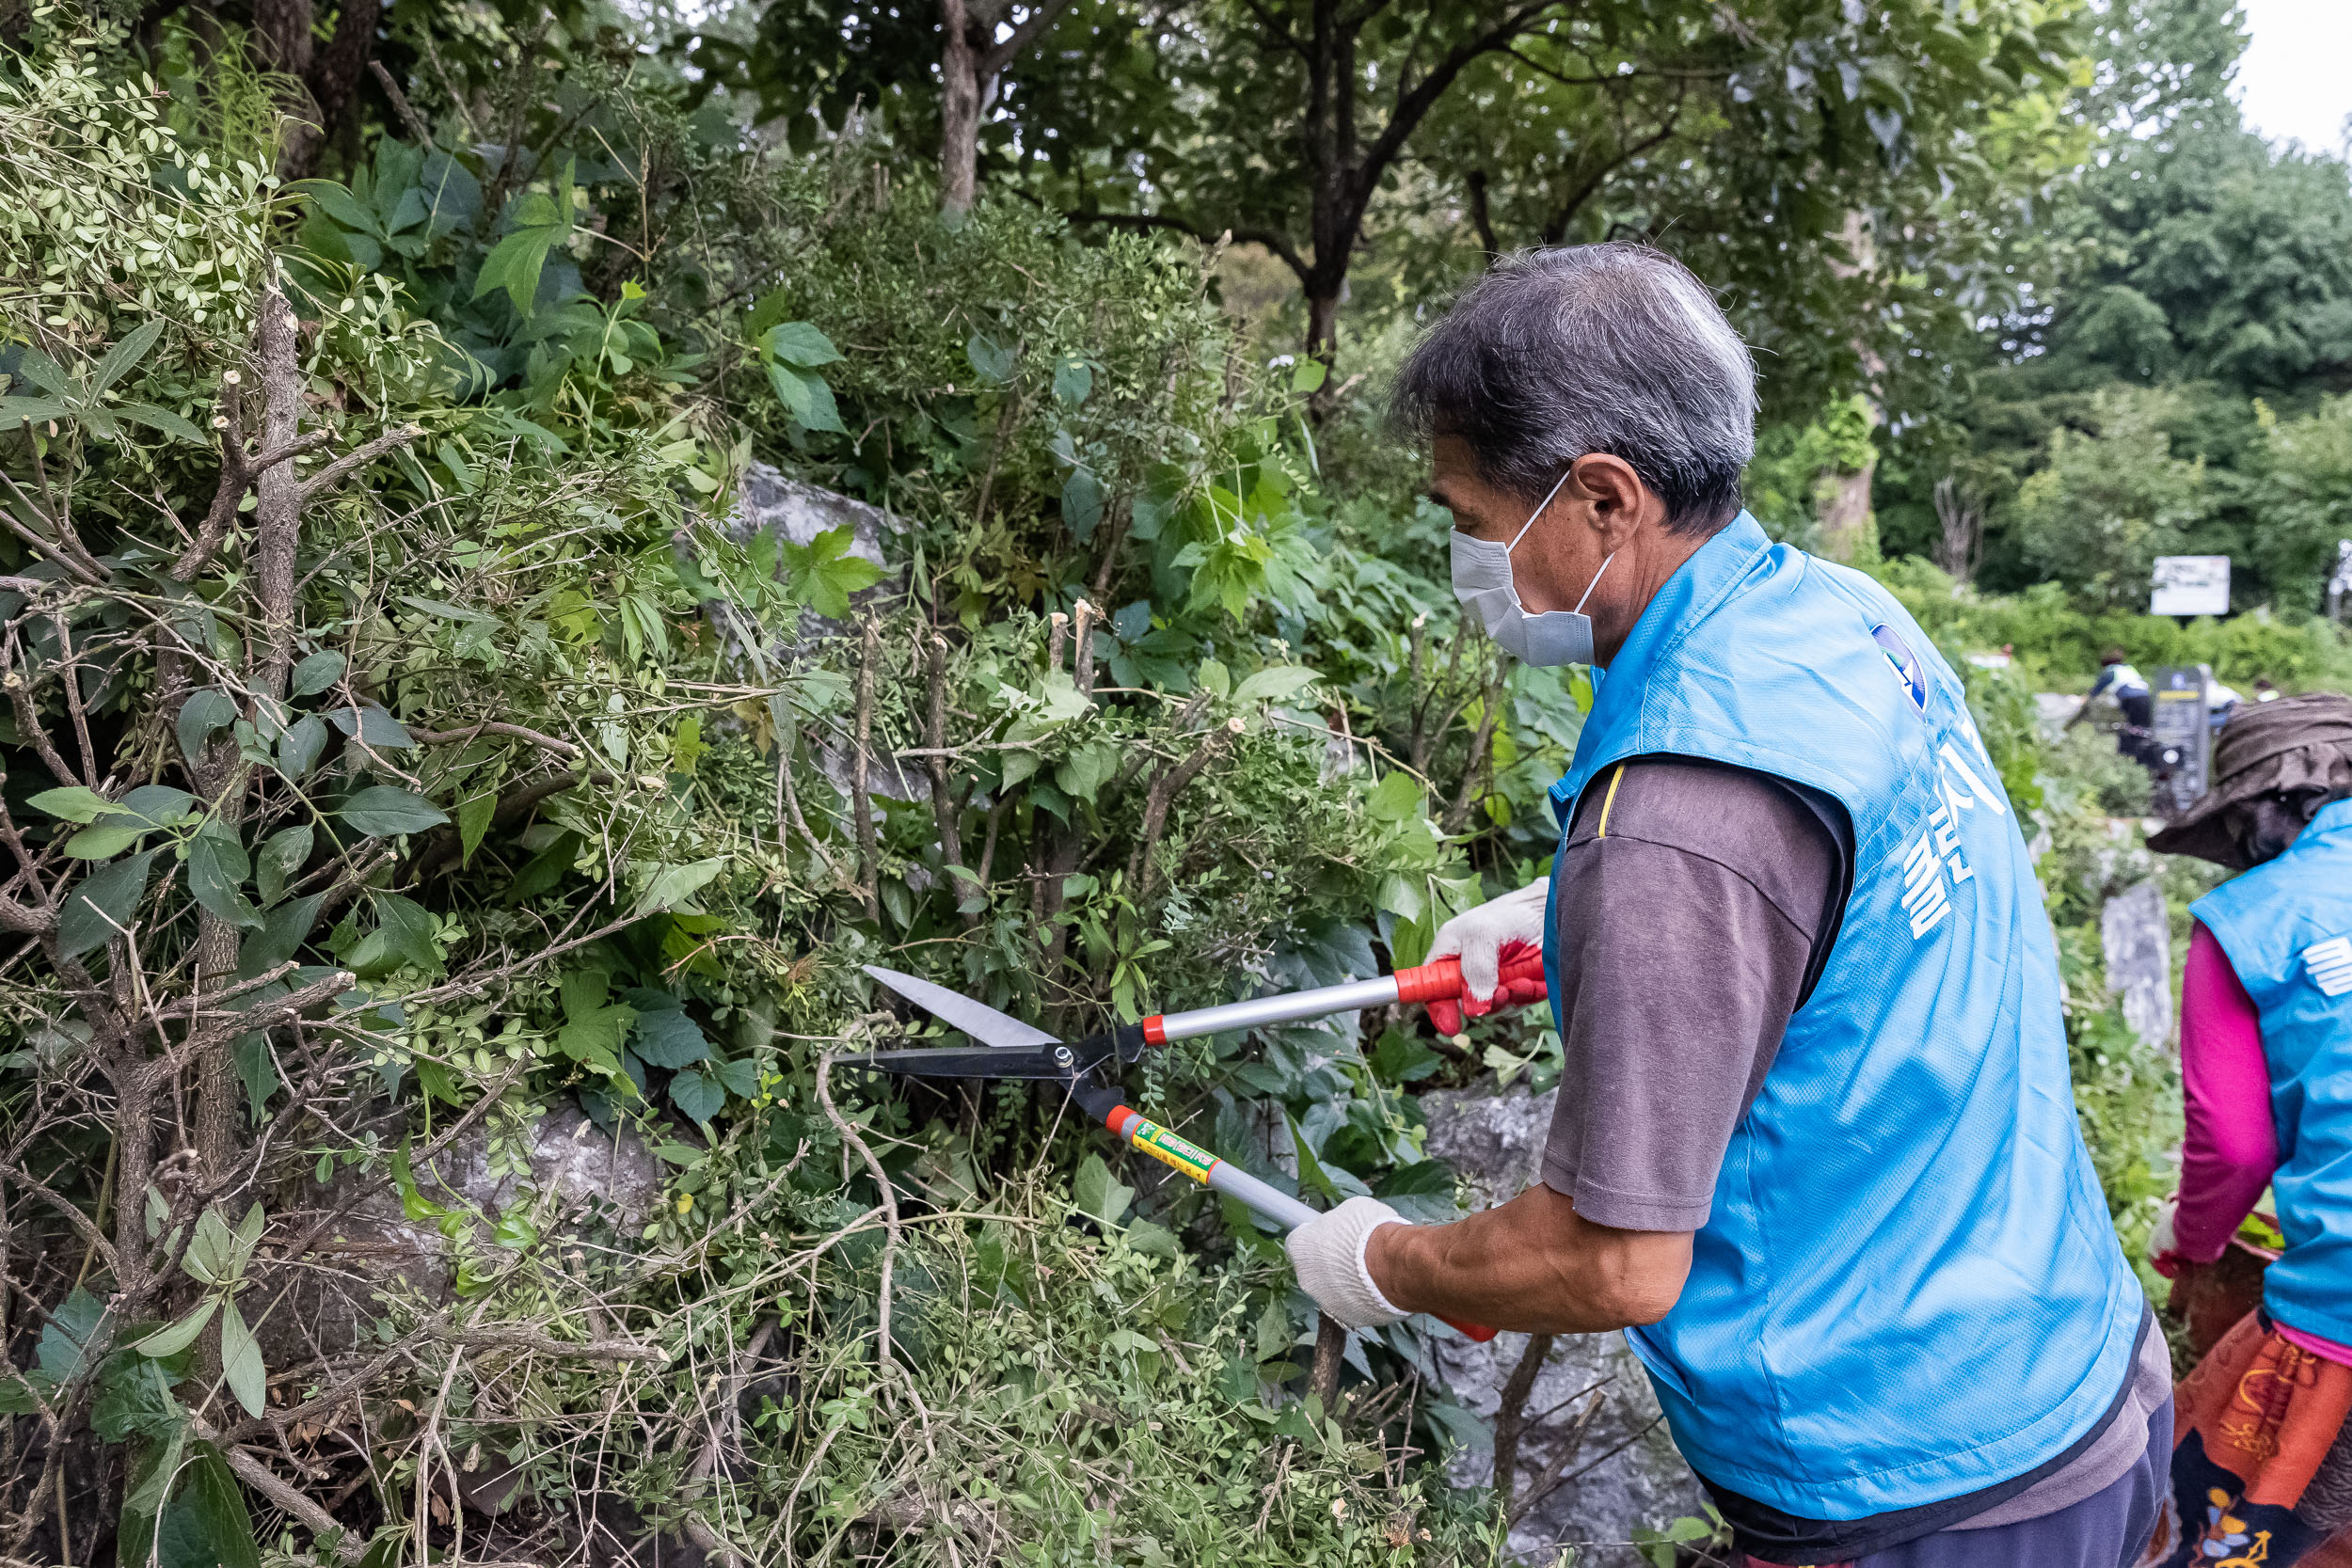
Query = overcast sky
x=2295 y=80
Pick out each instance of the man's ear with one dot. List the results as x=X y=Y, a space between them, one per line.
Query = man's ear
x=1620 y=502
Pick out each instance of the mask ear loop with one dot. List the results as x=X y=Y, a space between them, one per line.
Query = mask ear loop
x=1540 y=509
x=1594 y=583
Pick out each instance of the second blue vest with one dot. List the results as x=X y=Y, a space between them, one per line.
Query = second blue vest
x=2287 y=928
x=1909 y=1287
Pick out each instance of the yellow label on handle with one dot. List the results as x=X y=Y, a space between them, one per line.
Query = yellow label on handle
x=1172 y=1150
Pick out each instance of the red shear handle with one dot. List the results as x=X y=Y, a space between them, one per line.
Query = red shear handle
x=1469 y=1331
x=1441 y=981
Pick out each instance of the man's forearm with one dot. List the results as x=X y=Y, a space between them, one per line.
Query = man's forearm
x=1533 y=1265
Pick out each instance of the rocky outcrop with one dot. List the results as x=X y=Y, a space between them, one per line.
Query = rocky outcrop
x=2135 y=930
x=1595 y=1435
x=560 y=1177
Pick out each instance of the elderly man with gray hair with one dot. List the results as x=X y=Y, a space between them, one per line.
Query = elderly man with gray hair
x=1815 y=1149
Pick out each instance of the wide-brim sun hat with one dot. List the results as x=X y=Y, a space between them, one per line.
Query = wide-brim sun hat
x=2296 y=747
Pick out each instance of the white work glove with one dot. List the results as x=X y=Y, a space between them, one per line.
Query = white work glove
x=2164 y=1249
x=1496 y=932
x=1328 y=1253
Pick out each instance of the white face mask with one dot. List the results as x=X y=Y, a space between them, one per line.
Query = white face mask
x=1482 y=581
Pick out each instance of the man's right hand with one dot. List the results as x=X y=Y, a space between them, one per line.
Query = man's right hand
x=1487 y=938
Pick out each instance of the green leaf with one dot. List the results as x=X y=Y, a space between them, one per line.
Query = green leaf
x=1097 y=1192
x=315 y=673
x=1402 y=1058
x=157 y=805
x=1274 y=682
x=213 y=1530
x=386 y=811
x=218 y=868
x=43 y=372
x=241 y=1360
x=65 y=1340
x=250 y=1054
x=283 y=930
x=180 y=1336
x=403 y=935
x=1081 y=503
x=516 y=261
x=696 y=1095
x=103 y=842
x=1073 y=381
x=281 y=857
x=740 y=1076
x=686 y=744
x=665 y=1034
x=800 y=343
x=72 y=803
x=993 y=361
x=337 y=202
x=211 y=1255
x=670 y=887
x=199 y=716
x=1309 y=376
x=372 y=725
x=161 y=419
x=101 y=902
x=473 y=819
x=299 y=749
x=806 y=398
x=16 y=411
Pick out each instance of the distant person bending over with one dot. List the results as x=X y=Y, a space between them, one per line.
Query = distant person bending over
x=2266 y=1082
x=2127 y=689
x=1816 y=1142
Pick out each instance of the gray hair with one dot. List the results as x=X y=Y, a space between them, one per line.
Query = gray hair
x=1601 y=348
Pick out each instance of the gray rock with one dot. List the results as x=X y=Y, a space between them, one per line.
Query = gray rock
x=1595 y=1416
x=563 y=1175
x=766 y=498
x=2135 y=930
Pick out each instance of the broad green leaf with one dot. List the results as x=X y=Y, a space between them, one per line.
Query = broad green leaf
x=1081 y=503
x=407 y=929
x=205 y=712
x=697 y=1096
x=473 y=820
x=241 y=1361
x=593 y=1036
x=299 y=749
x=65 y=1340
x=740 y=1076
x=792 y=391
x=1073 y=381
x=686 y=744
x=250 y=1054
x=161 y=419
x=72 y=803
x=180 y=1336
x=43 y=372
x=157 y=805
x=16 y=411
x=212 y=1254
x=801 y=344
x=218 y=868
x=337 y=202
x=386 y=811
x=283 y=931
x=993 y=361
x=207 y=1525
x=102 y=842
x=372 y=725
x=664 y=1034
x=282 y=855
x=670 y=887
x=1309 y=376
x=1274 y=682
x=516 y=261
x=315 y=673
x=1097 y=1192
x=100 y=903
x=249 y=1233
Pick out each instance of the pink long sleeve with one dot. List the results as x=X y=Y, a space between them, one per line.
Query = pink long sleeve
x=2229 y=1148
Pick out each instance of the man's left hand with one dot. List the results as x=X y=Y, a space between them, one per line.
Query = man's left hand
x=1328 y=1253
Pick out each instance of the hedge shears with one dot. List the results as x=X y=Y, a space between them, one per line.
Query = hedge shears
x=1011 y=1049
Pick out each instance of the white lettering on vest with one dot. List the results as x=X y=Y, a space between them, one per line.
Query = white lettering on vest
x=2329 y=964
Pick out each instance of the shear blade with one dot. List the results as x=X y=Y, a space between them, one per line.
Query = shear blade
x=981 y=1022
x=958 y=1062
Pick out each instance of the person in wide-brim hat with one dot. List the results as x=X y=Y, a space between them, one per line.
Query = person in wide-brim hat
x=2266 y=1067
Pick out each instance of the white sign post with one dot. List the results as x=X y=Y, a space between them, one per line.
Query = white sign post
x=2191 y=585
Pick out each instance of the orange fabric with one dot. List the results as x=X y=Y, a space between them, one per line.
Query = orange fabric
x=2269 y=1410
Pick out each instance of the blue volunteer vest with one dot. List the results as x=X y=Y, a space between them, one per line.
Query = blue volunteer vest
x=2287 y=928
x=1909 y=1289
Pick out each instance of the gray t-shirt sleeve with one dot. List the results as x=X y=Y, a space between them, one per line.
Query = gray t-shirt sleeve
x=1691 y=895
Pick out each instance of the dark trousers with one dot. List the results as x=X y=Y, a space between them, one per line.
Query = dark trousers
x=2106 y=1529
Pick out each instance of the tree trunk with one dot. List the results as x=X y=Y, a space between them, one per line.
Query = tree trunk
x=333 y=79
x=958 y=110
x=1849 y=531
